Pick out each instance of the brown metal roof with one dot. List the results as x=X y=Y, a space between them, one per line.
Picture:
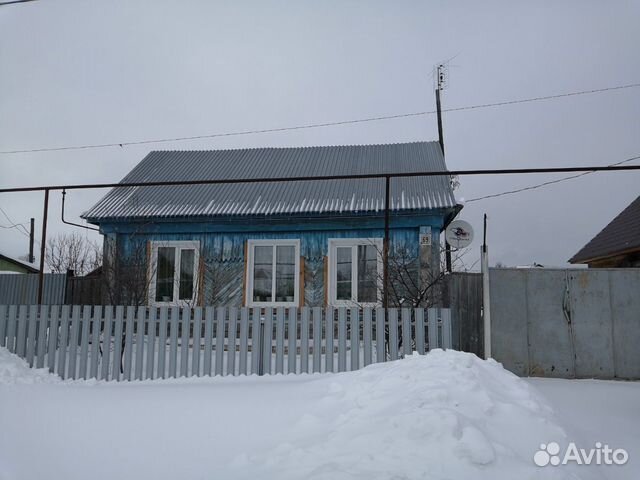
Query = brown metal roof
x=620 y=236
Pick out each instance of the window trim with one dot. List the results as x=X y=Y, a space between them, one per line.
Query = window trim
x=179 y=245
x=334 y=243
x=251 y=243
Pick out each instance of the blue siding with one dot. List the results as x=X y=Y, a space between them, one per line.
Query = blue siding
x=223 y=252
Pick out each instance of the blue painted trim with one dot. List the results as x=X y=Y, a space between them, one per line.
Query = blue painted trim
x=435 y=218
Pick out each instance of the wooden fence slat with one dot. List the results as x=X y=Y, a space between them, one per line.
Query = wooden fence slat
x=41 y=343
x=220 y=324
x=197 y=334
x=128 y=341
x=174 y=321
x=342 y=339
x=244 y=338
x=3 y=325
x=354 y=337
x=52 y=345
x=267 y=345
x=420 y=330
x=407 y=347
x=61 y=368
x=21 y=341
x=280 y=340
x=329 y=325
x=231 y=343
x=432 y=319
x=151 y=343
x=381 y=354
x=12 y=319
x=317 y=339
x=73 y=342
x=162 y=342
x=209 y=317
x=96 y=324
x=446 y=327
x=117 y=344
x=366 y=336
x=393 y=333
x=292 y=340
x=85 y=325
x=255 y=340
x=106 y=343
x=185 y=326
x=67 y=339
x=139 y=356
x=304 y=340
x=32 y=328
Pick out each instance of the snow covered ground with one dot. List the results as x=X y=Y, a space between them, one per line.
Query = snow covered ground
x=599 y=411
x=443 y=415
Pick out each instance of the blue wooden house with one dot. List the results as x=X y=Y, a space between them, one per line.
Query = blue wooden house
x=309 y=243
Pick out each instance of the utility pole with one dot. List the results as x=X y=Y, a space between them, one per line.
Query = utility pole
x=441 y=84
x=442 y=77
x=43 y=244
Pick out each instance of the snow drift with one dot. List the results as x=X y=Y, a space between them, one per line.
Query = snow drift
x=442 y=415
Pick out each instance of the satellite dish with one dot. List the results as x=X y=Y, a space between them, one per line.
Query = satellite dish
x=459 y=234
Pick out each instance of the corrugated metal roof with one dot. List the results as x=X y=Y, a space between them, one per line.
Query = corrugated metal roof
x=621 y=235
x=269 y=198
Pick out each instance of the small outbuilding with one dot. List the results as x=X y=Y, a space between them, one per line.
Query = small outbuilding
x=9 y=264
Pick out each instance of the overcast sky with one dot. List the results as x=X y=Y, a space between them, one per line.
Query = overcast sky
x=85 y=72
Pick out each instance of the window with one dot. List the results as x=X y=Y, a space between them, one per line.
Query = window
x=273 y=276
x=355 y=270
x=174 y=273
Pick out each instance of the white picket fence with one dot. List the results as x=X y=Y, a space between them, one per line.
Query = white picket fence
x=138 y=343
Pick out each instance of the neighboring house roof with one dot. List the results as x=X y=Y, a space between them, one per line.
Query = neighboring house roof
x=19 y=264
x=620 y=236
x=414 y=193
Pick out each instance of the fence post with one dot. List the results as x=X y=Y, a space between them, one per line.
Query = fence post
x=486 y=301
x=260 y=345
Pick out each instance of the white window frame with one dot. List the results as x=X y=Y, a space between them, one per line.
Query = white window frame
x=334 y=243
x=251 y=244
x=179 y=245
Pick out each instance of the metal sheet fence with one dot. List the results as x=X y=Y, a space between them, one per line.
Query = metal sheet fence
x=137 y=343
x=22 y=288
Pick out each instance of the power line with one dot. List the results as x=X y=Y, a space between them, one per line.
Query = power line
x=544 y=184
x=316 y=125
x=15 y=1
x=24 y=231
x=251 y=180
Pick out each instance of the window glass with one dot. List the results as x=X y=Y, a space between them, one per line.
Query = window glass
x=285 y=273
x=186 y=274
x=165 y=274
x=343 y=273
x=367 y=273
x=262 y=273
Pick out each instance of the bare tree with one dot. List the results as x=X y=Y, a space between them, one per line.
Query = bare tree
x=126 y=275
x=72 y=251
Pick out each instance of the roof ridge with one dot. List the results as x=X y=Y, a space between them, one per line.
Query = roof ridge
x=415 y=142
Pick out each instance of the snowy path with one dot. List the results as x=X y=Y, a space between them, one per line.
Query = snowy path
x=599 y=411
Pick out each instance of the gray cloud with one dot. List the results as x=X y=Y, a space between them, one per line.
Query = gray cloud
x=75 y=72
